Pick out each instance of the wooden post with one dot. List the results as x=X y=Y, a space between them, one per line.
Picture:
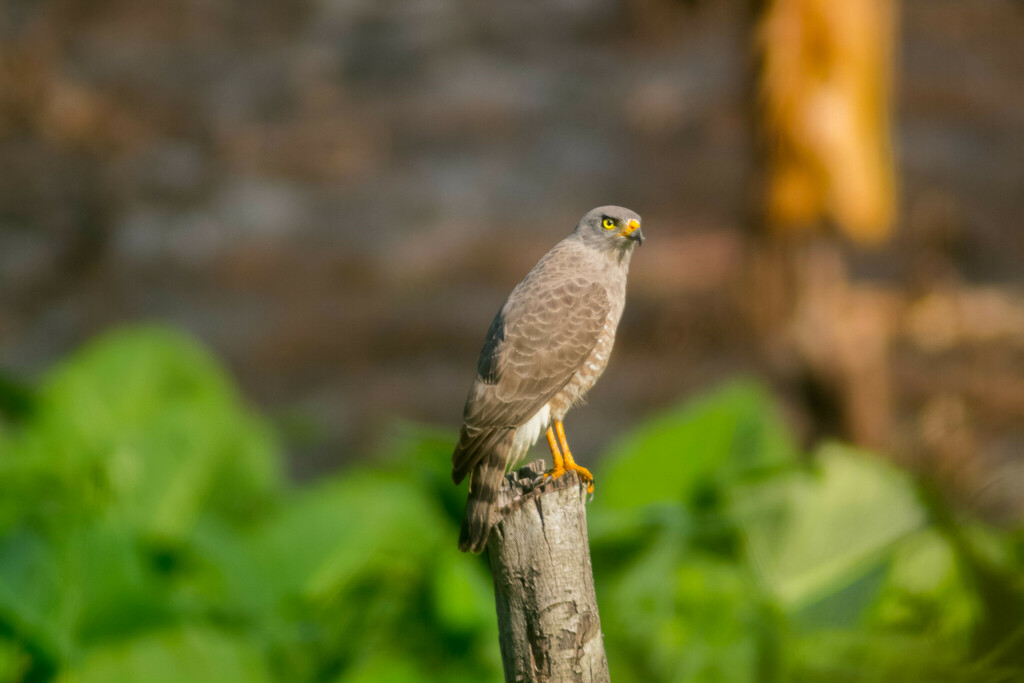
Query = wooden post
x=543 y=582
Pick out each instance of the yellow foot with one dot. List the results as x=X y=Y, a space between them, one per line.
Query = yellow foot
x=554 y=473
x=583 y=473
x=568 y=463
x=562 y=458
x=556 y=457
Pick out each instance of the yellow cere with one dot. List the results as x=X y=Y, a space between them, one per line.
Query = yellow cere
x=609 y=224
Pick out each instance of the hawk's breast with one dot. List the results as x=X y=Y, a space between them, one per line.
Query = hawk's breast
x=588 y=373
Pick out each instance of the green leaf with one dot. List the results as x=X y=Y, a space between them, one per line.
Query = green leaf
x=85 y=585
x=809 y=535
x=339 y=529
x=389 y=667
x=144 y=422
x=732 y=435
x=15 y=661
x=462 y=593
x=32 y=593
x=17 y=400
x=424 y=455
x=196 y=654
x=927 y=592
x=682 y=617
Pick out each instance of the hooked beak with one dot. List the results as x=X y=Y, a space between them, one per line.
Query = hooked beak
x=632 y=231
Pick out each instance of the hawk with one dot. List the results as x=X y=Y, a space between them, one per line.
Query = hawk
x=548 y=344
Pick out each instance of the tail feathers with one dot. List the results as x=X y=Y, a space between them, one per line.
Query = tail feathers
x=484 y=484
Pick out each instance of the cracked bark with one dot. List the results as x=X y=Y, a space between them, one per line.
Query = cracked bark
x=543 y=582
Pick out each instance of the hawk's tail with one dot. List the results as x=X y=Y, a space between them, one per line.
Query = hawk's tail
x=484 y=483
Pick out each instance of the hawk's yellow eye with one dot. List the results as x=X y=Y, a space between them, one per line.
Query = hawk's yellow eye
x=608 y=224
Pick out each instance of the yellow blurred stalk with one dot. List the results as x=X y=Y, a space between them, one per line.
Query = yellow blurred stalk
x=824 y=91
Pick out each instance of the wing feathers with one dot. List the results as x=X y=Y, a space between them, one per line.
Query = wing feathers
x=536 y=344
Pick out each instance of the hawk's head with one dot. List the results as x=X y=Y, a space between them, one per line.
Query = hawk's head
x=611 y=227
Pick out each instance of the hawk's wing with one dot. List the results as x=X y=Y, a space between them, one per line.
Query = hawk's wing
x=539 y=339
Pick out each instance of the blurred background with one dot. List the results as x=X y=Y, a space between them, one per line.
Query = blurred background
x=248 y=250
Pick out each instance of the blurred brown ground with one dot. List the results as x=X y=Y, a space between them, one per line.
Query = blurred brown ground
x=336 y=197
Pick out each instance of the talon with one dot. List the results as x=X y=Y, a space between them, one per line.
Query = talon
x=567 y=462
x=585 y=476
x=584 y=473
x=562 y=458
x=556 y=457
x=554 y=473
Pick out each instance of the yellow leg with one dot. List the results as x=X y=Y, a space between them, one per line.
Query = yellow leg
x=569 y=463
x=556 y=457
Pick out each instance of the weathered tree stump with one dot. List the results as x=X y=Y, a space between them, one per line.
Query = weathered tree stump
x=543 y=581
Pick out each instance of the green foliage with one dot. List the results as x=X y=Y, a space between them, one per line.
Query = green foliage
x=147 y=534
x=188 y=653
x=721 y=555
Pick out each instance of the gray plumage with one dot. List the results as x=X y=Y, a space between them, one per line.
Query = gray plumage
x=548 y=344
